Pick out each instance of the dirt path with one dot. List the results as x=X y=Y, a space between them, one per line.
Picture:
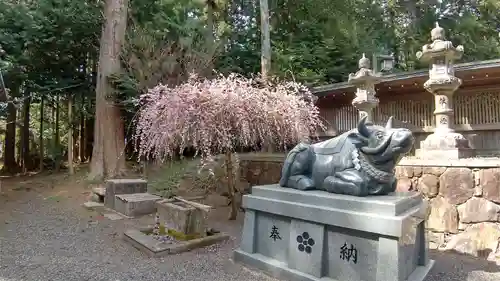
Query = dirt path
x=45 y=235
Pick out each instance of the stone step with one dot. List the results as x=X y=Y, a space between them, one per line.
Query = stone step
x=105 y=212
x=136 y=204
x=122 y=186
x=92 y=205
x=113 y=216
x=101 y=191
x=98 y=194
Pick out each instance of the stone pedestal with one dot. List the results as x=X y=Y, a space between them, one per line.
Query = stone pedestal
x=445 y=145
x=181 y=217
x=315 y=235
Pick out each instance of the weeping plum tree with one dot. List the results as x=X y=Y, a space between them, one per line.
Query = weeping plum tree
x=219 y=115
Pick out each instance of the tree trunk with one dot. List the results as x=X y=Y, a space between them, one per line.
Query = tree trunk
x=231 y=186
x=89 y=121
x=52 y=130
x=70 y=135
x=109 y=139
x=83 y=141
x=10 y=165
x=265 y=35
x=89 y=137
x=25 y=135
x=56 y=137
x=76 y=147
x=393 y=26
x=210 y=38
x=265 y=57
x=40 y=137
x=19 y=144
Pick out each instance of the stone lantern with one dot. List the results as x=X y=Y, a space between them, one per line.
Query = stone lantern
x=364 y=80
x=444 y=143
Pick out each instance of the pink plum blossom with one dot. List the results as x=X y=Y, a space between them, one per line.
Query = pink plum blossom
x=218 y=115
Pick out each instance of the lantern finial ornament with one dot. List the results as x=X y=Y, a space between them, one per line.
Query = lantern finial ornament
x=364 y=62
x=364 y=80
x=437 y=33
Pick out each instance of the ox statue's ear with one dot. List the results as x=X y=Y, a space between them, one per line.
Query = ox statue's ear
x=389 y=124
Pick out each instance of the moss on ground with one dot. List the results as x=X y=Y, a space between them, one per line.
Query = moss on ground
x=181 y=236
x=175 y=234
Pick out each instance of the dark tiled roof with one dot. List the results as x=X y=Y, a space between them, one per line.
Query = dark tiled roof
x=470 y=66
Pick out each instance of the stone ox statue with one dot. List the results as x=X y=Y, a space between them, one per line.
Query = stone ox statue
x=359 y=162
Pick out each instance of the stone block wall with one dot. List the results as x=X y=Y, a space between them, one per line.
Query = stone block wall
x=261 y=169
x=463 y=206
x=463 y=202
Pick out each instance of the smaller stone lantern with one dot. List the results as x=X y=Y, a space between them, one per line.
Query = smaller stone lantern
x=444 y=143
x=364 y=80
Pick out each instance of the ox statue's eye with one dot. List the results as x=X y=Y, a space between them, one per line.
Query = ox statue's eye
x=380 y=135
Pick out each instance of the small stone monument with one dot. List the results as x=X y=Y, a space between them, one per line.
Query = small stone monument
x=182 y=217
x=364 y=80
x=444 y=143
x=324 y=222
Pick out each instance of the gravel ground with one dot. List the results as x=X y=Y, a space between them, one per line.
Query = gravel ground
x=50 y=239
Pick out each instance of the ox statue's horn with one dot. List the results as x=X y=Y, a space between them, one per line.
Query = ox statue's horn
x=362 y=127
x=389 y=123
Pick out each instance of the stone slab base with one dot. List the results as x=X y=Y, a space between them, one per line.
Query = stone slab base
x=335 y=237
x=445 y=154
x=154 y=248
x=281 y=271
x=136 y=204
x=123 y=186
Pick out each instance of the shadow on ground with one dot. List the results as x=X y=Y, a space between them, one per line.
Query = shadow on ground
x=47 y=235
x=462 y=263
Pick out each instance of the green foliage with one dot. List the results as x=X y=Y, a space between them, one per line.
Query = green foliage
x=166 y=41
x=165 y=181
x=51 y=46
x=320 y=41
x=48 y=42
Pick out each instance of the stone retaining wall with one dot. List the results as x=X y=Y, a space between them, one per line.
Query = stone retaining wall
x=463 y=202
x=260 y=169
x=463 y=206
